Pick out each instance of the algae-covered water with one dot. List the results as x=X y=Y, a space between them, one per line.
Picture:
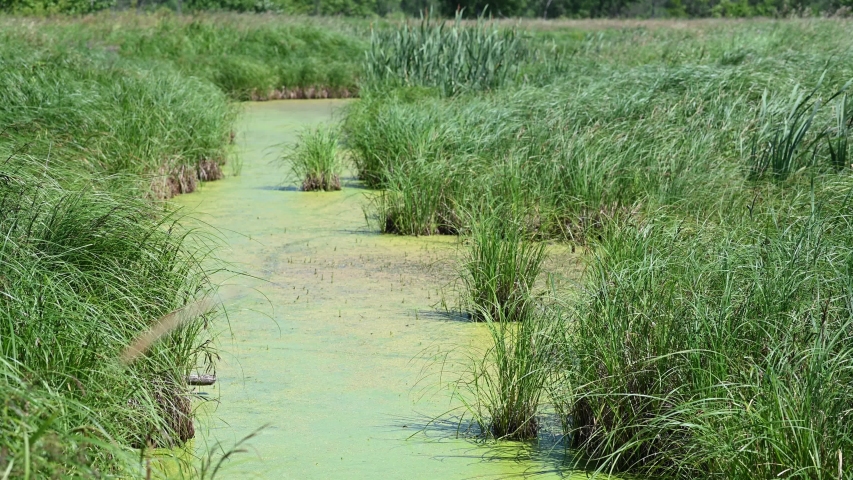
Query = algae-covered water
x=333 y=341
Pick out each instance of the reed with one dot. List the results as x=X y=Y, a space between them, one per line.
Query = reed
x=450 y=56
x=510 y=378
x=710 y=183
x=708 y=351
x=91 y=259
x=82 y=272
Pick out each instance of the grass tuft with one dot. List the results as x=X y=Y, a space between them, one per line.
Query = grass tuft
x=500 y=269
x=315 y=159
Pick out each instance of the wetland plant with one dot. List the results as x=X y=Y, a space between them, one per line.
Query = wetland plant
x=453 y=57
x=419 y=199
x=500 y=267
x=508 y=381
x=82 y=272
x=88 y=261
x=839 y=140
x=315 y=159
x=721 y=351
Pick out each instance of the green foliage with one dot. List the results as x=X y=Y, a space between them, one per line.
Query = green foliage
x=500 y=268
x=717 y=351
x=83 y=272
x=52 y=7
x=608 y=136
x=315 y=160
x=88 y=139
x=838 y=140
x=451 y=57
x=251 y=59
x=712 y=336
x=509 y=379
x=110 y=116
x=246 y=56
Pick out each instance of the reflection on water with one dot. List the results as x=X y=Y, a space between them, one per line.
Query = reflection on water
x=331 y=342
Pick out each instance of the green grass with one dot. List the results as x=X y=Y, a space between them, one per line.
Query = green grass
x=113 y=117
x=706 y=169
x=315 y=160
x=707 y=172
x=90 y=142
x=720 y=349
x=83 y=272
x=246 y=56
x=500 y=268
x=451 y=57
x=505 y=390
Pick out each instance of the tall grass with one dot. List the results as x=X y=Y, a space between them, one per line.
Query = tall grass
x=82 y=273
x=509 y=380
x=247 y=56
x=452 y=57
x=112 y=117
x=315 y=159
x=709 y=179
x=88 y=261
x=717 y=351
x=500 y=268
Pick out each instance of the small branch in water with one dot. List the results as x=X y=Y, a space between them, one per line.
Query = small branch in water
x=201 y=379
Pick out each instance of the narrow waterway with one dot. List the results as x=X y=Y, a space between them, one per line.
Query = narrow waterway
x=333 y=341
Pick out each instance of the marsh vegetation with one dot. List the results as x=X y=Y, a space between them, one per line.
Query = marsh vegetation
x=90 y=144
x=703 y=175
x=314 y=159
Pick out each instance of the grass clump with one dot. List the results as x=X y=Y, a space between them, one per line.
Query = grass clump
x=501 y=265
x=720 y=351
x=712 y=336
x=500 y=269
x=510 y=378
x=249 y=57
x=82 y=272
x=89 y=139
x=113 y=118
x=315 y=159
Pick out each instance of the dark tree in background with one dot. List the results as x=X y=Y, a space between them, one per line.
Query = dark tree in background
x=448 y=8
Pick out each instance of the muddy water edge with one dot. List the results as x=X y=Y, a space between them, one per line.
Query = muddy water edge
x=332 y=339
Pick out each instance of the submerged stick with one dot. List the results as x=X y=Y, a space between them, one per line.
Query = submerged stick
x=201 y=379
x=164 y=325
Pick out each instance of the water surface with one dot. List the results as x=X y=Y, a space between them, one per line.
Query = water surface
x=334 y=340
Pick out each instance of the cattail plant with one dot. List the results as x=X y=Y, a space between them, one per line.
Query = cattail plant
x=453 y=57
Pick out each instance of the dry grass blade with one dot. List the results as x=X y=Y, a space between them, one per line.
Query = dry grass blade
x=163 y=326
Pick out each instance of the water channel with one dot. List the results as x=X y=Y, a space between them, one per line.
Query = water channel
x=333 y=340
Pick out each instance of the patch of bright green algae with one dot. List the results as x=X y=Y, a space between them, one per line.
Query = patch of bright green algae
x=331 y=342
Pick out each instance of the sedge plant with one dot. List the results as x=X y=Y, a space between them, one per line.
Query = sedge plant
x=500 y=267
x=315 y=159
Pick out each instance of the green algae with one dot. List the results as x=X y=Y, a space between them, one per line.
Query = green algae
x=333 y=343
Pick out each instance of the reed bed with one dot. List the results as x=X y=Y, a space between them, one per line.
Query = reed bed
x=709 y=180
x=91 y=259
x=249 y=57
x=83 y=272
x=449 y=56
x=113 y=118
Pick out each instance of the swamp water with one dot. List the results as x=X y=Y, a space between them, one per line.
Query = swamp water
x=332 y=339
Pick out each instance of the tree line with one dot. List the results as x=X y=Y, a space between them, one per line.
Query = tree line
x=495 y=8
